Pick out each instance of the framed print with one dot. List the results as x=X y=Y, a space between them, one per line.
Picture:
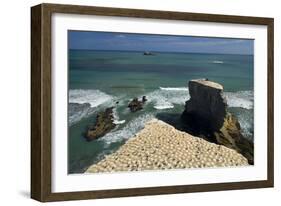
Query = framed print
x=130 y=102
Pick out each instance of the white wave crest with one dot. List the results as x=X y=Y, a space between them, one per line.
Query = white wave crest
x=91 y=96
x=167 y=97
x=242 y=99
x=174 y=88
x=217 y=62
x=77 y=111
x=83 y=103
x=116 y=119
x=167 y=106
x=128 y=131
x=119 y=121
x=246 y=123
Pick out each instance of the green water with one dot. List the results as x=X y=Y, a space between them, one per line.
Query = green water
x=101 y=78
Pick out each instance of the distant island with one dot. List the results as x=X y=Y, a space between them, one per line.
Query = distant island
x=148 y=53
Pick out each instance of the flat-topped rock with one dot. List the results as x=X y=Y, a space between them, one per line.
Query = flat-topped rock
x=207 y=83
x=206 y=103
x=206 y=115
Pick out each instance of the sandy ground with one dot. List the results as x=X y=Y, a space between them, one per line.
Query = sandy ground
x=160 y=146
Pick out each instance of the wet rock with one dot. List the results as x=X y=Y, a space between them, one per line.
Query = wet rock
x=206 y=115
x=104 y=124
x=144 y=99
x=136 y=105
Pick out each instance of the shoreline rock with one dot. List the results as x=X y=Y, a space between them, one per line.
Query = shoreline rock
x=136 y=105
x=160 y=146
x=104 y=123
x=206 y=115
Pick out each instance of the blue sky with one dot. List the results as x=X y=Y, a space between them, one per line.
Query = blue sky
x=161 y=43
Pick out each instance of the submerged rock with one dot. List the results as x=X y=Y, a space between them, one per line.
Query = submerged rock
x=136 y=105
x=104 y=123
x=206 y=115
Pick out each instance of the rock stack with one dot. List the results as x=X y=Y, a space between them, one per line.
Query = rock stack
x=206 y=115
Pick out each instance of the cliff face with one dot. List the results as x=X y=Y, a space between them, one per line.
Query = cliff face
x=206 y=116
x=206 y=103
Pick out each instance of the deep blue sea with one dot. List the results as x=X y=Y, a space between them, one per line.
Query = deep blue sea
x=101 y=78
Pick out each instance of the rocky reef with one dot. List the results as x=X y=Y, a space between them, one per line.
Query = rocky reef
x=136 y=104
x=104 y=123
x=206 y=115
x=160 y=146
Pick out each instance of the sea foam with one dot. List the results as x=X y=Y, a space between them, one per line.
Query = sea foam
x=242 y=99
x=127 y=131
x=174 y=88
x=92 y=96
x=77 y=111
x=82 y=97
x=167 y=97
x=217 y=62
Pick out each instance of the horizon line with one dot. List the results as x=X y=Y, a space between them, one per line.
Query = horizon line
x=115 y=50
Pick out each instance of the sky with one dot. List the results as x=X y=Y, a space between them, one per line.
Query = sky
x=158 y=43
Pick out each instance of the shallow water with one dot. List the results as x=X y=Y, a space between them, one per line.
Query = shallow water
x=102 y=78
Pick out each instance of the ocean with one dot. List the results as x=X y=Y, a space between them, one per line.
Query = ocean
x=102 y=78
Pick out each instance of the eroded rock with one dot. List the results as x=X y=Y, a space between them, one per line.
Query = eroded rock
x=206 y=116
x=136 y=105
x=104 y=123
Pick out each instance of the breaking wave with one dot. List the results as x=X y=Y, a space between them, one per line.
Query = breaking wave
x=127 y=131
x=92 y=96
x=242 y=99
x=174 y=88
x=167 y=97
x=77 y=111
x=83 y=103
x=217 y=62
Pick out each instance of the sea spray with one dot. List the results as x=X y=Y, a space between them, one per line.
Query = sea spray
x=83 y=103
x=129 y=130
x=242 y=99
x=166 y=97
x=92 y=96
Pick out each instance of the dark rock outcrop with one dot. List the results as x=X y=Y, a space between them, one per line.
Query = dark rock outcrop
x=206 y=116
x=136 y=105
x=144 y=99
x=104 y=123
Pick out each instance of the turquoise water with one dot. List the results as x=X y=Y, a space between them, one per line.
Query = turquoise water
x=101 y=78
